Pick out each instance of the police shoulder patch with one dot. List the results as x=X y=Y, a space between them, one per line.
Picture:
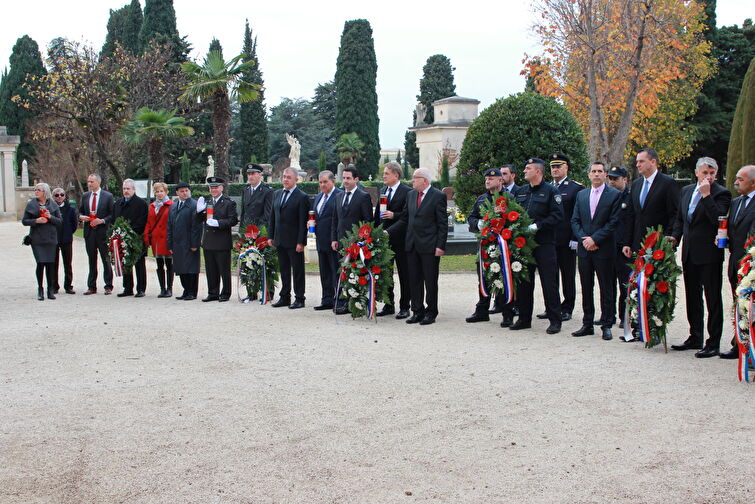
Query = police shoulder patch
x=557 y=197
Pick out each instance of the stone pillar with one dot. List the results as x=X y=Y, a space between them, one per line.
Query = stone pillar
x=8 y=144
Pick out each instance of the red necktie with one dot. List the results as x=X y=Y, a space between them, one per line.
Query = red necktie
x=419 y=199
x=94 y=203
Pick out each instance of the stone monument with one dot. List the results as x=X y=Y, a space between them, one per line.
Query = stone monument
x=341 y=168
x=295 y=151
x=210 y=167
x=24 y=174
x=8 y=144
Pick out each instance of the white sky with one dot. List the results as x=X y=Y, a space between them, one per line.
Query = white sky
x=297 y=41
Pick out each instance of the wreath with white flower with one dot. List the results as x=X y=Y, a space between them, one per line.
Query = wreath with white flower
x=744 y=311
x=125 y=246
x=256 y=263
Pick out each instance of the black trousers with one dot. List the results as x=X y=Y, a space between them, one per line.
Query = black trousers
x=483 y=303
x=291 y=261
x=141 y=276
x=545 y=257
x=66 y=250
x=190 y=283
x=94 y=246
x=402 y=268
x=622 y=267
x=699 y=279
x=329 y=272
x=217 y=265
x=423 y=271
x=590 y=267
x=567 y=265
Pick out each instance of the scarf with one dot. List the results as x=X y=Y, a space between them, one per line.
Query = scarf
x=158 y=203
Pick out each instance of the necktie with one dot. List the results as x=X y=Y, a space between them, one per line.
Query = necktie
x=347 y=199
x=390 y=191
x=742 y=206
x=94 y=203
x=693 y=205
x=323 y=201
x=180 y=204
x=644 y=193
x=419 y=199
x=285 y=198
x=593 y=202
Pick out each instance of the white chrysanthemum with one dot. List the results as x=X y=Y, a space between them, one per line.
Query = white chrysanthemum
x=633 y=294
x=658 y=322
x=516 y=266
x=494 y=253
x=352 y=280
x=498 y=284
x=634 y=313
x=743 y=324
x=358 y=305
x=353 y=293
x=744 y=304
x=495 y=267
x=750 y=278
x=377 y=276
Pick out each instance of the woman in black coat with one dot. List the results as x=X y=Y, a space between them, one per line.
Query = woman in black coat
x=43 y=216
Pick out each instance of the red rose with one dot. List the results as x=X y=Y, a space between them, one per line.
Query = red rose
x=520 y=242
x=749 y=242
x=650 y=240
x=639 y=263
x=662 y=287
x=484 y=241
x=485 y=217
x=746 y=267
x=513 y=216
x=362 y=280
x=362 y=270
x=506 y=234
x=485 y=230
x=353 y=251
x=376 y=270
x=365 y=231
x=484 y=254
x=501 y=202
x=486 y=265
x=658 y=255
x=369 y=240
x=343 y=276
x=354 y=265
x=252 y=232
x=649 y=268
x=261 y=242
x=367 y=253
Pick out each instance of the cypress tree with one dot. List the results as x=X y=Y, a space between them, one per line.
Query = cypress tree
x=133 y=28
x=356 y=95
x=159 y=25
x=215 y=46
x=25 y=65
x=437 y=82
x=251 y=137
x=116 y=26
x=741 y=146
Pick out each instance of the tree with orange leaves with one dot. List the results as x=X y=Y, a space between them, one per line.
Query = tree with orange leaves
x=628 y=70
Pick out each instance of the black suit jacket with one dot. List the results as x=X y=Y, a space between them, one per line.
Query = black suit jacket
x=568 y=190
x=134 y=211
x=397 y=205
x=256 y=207
x=625 y=216
x=324 y=220
x=661 y=205
x=741 y=225
x=288 y=224
x=602 y=226
x=426 y=227
x=104 y=211
x=699 y=245
x=224 y=211
x=358 y=210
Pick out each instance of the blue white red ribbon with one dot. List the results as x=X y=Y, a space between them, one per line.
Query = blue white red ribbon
x=506 y=271
x=484 y=292
x=742 y=372
x=371 y=283
x=642 y=307
x=265 y=295
x=116 y=243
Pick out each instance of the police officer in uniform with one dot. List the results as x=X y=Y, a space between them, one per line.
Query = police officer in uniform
x=542 y=202
x=618 y=178
x=216 y=239
x=256 y=199
x=566 y=242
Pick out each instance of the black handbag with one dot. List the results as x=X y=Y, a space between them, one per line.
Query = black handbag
x=26 y=241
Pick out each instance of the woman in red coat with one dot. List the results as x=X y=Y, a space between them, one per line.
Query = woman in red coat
x=156 y=236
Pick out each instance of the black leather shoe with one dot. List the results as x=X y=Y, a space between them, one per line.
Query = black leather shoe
x=584 y=331
x=402 y=314
x=427 y=320
x=554 y=328
x=476 y=317
x=40 y=294
x=281 y=302
x=685 y=346
x=621 y=325
x=494 y=310
x=139 y=294
x=163 y=294
x=542 y=316
x=70 y=291
x=415 y=319
x=342 y=310
x=189 y=298
x=223 y=299
x=607 y=334
x=125 y=294
x=387 y=310
x=50 y=294
x=731 y=354
x=706 y=352
x=565 y=317
x=295 y=305
x=507 y=321
x=182 y=296
x=323 y=307
x=518 y=325
x=209 y=298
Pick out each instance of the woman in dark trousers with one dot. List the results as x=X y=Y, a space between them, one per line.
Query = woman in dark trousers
x=156 y=236
x=42 y=214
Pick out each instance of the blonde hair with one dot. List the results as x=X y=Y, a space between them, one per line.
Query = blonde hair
x=160 y=185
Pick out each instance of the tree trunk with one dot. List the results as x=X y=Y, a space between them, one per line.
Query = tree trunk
x=157 y=170
x=221 y=118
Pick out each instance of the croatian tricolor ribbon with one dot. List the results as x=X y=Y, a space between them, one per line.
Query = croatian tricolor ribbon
x=642 y=311
x=484 y=292
x=265 y=295
x=371 y=297
x=506 y=271
x=116 y=243
x=742 y=373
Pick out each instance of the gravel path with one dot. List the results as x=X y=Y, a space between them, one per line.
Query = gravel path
x=163 y=401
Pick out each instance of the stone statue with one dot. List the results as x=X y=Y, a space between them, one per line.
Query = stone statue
x=24 y=174
x=420 y=112
x=210 y=167
x=341 y=168
x=295 y=152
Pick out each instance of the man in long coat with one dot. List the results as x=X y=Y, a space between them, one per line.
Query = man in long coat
x=184 y=238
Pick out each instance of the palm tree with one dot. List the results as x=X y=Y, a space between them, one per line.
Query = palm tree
x=349 y=147
x=218 y=82
x=153 y=127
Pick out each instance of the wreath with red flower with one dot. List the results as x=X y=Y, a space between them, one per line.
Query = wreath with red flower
x=125 y=246
x=651 y=295
x=506 y=245
x=256 y=263
x=366 y=269
x=744 y=311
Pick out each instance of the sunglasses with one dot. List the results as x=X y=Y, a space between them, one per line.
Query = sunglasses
x=58 y=195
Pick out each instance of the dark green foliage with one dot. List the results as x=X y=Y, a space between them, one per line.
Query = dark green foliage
x=437 y=82
x=297 y=118
x=133 y=27
x=185 y=168
x=250 y=138
x=398 y=157
x=741 y=145
x=116 y=25
x=123 y=27
x=411 y=152
x=159 y=25
x=512 y=130
x=25 y=63
x=445 y=175
x=356 y=96
x=324 y=104
x=215 y=46
x=322 y=164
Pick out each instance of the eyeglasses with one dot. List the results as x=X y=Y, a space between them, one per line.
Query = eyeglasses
x=37 y=189
x=58 y=195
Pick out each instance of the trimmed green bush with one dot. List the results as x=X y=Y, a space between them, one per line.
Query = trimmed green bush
x=742 y=140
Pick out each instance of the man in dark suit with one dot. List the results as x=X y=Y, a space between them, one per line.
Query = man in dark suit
x=395 y=193
x=327 y=258
x=618 y=179
x=134 y=210
x=288 y=232
x=655 y=201
x=426 y=226
x=70 y=219
x=184 y=239
x=741 y=227
x=256 y=199
x=96 y=212
x=566 y=242
x=701 y=204
x=596 y=214
x=219 y=215
x=353 y=205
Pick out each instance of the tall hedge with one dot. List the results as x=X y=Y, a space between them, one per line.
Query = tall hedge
x=742 y=140
x=512 y=130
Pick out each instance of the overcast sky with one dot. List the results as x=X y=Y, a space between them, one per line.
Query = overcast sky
x=297 y=41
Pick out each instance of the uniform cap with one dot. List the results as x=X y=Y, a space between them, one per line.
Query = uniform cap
x=215 y=181
x=492 y=172
x=559 y=159
x=617 y=171
x=253 y=168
